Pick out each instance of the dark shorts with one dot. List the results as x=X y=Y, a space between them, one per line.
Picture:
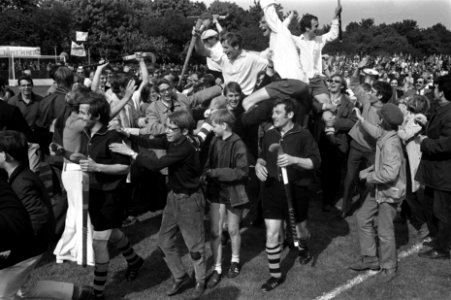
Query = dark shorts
x=106 y=209
x=274 y=201
x=318 y=86
x=287 y=89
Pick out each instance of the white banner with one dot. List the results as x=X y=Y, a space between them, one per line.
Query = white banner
x=8 y=51
x=77 y=50
x=81 y=36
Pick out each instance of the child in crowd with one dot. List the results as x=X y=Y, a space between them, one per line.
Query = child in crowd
x=379 y=210
x=226 y=172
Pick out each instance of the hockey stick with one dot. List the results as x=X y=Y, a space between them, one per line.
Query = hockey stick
x=277 y=147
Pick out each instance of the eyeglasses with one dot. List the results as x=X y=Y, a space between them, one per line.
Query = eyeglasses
x=420 y=82
x=334 y=81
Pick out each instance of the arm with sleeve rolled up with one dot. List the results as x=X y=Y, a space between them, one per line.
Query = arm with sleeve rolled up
x=96 y=79
x=334 y=28
x=201 y=49
x=117 y=106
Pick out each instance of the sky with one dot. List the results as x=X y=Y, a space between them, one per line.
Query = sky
x=425 y=12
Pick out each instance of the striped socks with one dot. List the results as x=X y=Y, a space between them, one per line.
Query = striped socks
x=274 y=260
x=123 y=245
x=100 y=276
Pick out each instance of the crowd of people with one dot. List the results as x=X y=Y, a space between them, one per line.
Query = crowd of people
x=249 y=131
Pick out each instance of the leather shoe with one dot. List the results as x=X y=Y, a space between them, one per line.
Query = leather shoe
x=365 y=263
x=214 y=279
x=434 y=254
x=179 y=286
x=430 y=244
x=198 y=290
x=389 y=274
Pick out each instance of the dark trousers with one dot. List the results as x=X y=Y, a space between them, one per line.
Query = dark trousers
x=333 y=163
x=441 y=209
x=357 y=156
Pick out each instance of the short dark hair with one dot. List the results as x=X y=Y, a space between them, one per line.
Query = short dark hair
x=162 y=81
x=384 y=89
x=183 y=119
x=208 y=80
x=76 y=96
x=25 y=77
x=98 y=106
x=306 y=22
x=233 y=87
x=15 y=144
x=233 y=39
x=290 y=106
x=444 y=85
x=119 y=80
x=64 y=77
x=223 y=116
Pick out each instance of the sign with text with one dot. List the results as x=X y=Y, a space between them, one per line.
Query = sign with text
x=16 y=51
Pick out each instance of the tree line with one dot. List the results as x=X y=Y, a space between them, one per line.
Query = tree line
x=119 y=27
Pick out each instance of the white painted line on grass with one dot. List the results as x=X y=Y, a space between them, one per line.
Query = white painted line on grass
x=362 y=277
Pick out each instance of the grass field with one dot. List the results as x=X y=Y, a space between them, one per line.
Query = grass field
x=334 y=245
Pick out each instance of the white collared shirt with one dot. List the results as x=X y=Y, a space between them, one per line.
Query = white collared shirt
x=243 y=69
x=310 y=50
x=284 y=52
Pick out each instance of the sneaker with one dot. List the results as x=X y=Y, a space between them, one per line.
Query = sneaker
x=365 y=263
x=214 y=279
x=304 y=256
x=234 y=270
x=132 y=270
x=271 y=284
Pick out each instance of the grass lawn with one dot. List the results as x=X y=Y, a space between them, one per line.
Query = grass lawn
x=334 y=245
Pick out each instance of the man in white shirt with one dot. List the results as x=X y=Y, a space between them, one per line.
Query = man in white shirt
x=310 y=46
x=210 y=39
x=236 y=63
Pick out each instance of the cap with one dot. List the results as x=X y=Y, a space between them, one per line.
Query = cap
x=208 y=34
x=391 y=114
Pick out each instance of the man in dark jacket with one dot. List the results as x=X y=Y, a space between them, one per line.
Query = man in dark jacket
x=300 y=157
x=24 y=242
x=434 y=167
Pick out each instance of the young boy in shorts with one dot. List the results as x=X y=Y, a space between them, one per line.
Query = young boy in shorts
x=226 y=172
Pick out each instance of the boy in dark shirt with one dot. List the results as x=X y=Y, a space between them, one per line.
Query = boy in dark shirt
x=184 y=211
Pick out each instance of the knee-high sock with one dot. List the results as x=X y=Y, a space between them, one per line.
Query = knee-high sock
x=127 y=251
x=100 y=276
x=274 y=261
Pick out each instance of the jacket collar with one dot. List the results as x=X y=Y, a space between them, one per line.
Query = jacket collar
x=386 y=136
x=16 y=172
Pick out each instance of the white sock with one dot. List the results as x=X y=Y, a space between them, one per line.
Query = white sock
x=218 y=268
x=235 y=258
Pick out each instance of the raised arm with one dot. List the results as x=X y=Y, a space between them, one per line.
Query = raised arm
x=96 y=80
